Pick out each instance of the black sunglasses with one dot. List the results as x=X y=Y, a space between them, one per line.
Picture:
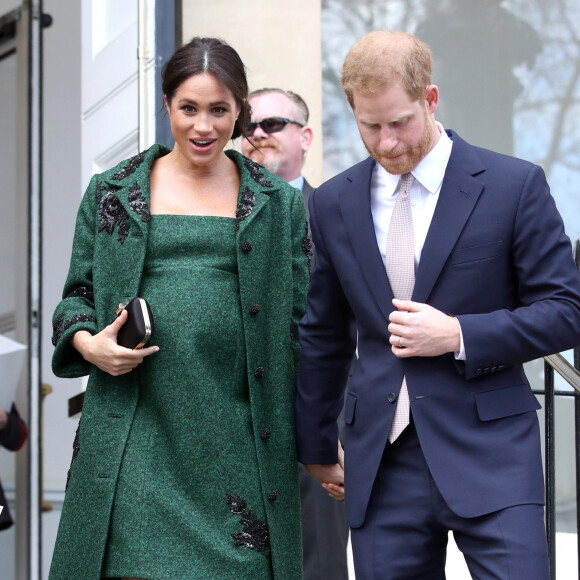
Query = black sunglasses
x=270 y=125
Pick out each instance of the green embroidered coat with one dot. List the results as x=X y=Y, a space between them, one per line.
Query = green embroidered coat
x=273 y=253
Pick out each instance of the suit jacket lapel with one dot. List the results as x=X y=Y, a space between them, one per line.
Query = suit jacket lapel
x=457 y=198
x=355 y=205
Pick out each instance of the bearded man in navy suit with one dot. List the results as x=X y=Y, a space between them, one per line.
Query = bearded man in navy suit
x=495 y=286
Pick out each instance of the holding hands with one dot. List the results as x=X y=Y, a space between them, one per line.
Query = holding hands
x=103 y=351
x=331 y=477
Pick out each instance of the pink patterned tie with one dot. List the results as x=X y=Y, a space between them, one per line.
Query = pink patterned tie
x=401 y=272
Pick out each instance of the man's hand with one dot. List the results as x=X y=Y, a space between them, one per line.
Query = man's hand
x=331 y=477
x=103 y=351
x=420 y=330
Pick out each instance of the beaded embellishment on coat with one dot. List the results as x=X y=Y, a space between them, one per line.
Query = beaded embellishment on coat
x=255 y=170
x=255 y=534
x=307 y=248
x=132 y=165
x=111 y=212
x=138 y=203
x=76 y=449
x=100 y=191
x=245 y=206
x=82 y=292
x=60 y=325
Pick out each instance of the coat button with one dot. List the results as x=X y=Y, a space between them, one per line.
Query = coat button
x=255 y=309
x=247 y=246
x=259 y=372
x=266 y=434
x=479 y=372
x=273 y=496
x=392 y=397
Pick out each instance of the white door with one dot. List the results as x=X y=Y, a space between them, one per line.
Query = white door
x=19 y=275
x=109 y=83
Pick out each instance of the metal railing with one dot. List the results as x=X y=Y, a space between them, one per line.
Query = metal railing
x=558 y=364
x=571 y=374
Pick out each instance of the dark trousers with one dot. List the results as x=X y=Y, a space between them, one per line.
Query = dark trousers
x=324 y=532
x=404 y=536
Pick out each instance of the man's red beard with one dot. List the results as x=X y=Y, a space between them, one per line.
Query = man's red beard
x=412 y=155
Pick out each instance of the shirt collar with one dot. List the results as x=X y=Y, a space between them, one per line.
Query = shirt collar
x=429 y=172
x=298 y=183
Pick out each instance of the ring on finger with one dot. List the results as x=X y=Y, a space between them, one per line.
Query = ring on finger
x=399 y=343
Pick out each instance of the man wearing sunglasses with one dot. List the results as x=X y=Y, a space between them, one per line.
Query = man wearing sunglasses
x=280 y=135
x=280 y=138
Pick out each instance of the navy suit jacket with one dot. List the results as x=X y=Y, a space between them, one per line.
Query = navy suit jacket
x=496 y=257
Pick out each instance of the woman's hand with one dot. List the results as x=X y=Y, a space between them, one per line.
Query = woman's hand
x=103 y=351
x=336 y=490
x=331 y=477
x=3 y=418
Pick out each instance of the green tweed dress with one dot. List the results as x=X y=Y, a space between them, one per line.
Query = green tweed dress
x=181 y=497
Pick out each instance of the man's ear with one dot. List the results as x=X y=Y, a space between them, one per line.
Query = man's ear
x=306 y=137
x=431 y=98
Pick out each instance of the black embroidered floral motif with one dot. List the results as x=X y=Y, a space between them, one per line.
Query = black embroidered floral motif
x=82 y=292
x=131 y=167
x=256 y=173
x=245 y=206
x=307 y=248
x=255 y=534
x=111 y=212
x=138 y=203
x=60 y=325
x=76 y=449
x=99 y=193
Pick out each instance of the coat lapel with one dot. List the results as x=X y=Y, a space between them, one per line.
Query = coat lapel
x=250 y=204
x=355 y=204
x=255 y=189
x=457 y=199
x=130 y=184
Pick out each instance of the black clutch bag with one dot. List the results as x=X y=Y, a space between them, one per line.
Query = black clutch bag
x=138 y=327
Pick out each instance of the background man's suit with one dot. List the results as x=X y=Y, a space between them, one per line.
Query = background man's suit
x=324 y=532
x=497 y=258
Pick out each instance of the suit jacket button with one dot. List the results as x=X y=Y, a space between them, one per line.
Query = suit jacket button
x=266 y=434
x=247 y=247
x=392 y=397
x=500 y=368
x=259 y=372
x=479 y=372
x=494 y=369
x=273 y=496
x=255 y=309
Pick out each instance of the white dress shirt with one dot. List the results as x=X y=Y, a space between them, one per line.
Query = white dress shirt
x=424 y=194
